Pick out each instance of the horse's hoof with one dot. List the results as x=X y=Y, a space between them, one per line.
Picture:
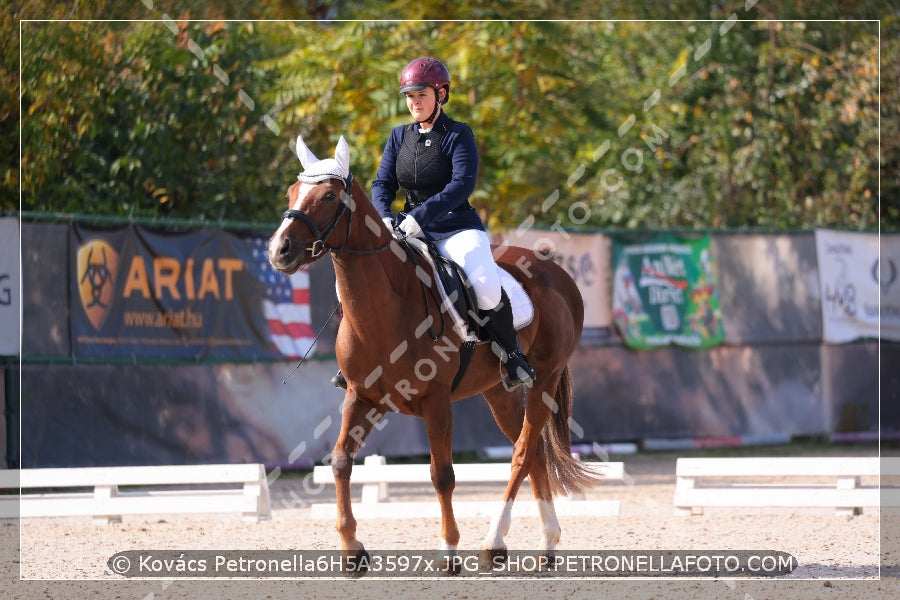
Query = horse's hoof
x=454 y=566
x=491 y=559
x=548 y=561
x=357 y=565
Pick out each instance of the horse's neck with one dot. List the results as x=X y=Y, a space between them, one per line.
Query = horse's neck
x=368 y=282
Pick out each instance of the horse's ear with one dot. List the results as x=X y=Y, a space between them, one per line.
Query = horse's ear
x=342 y=156
x=305 y=154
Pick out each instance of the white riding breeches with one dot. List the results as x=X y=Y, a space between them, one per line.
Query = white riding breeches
x=471 y=250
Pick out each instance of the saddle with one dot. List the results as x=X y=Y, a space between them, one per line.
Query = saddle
x=459 y=291
x=456 y=297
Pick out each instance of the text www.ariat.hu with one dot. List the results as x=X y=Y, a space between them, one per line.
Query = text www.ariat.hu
x=174 y=319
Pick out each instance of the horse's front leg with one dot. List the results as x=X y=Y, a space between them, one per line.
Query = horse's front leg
x=356 y=423
x=439 y=427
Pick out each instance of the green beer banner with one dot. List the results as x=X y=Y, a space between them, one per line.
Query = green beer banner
x=664 y=292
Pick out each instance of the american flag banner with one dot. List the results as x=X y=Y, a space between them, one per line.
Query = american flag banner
x=286 y=304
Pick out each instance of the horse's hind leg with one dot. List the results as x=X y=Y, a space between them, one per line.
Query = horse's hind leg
x=540 y=484
x=509 y=413
x=523 y=427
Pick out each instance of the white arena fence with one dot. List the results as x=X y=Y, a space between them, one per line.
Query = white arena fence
x=847 y=484
x=171 y=489
x=833 y=481
x=376 y=475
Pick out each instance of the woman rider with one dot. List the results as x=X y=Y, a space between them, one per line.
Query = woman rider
x=435 y=161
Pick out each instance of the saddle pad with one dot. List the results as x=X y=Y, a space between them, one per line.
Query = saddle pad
x=523 y=309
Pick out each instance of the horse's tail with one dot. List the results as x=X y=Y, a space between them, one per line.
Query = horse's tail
x=568 y=475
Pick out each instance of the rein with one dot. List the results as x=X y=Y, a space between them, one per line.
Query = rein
x=313 y=345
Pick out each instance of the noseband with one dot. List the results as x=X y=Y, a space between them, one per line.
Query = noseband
x=318 y=247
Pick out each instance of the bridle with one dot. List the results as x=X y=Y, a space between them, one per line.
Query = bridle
x=318 y=247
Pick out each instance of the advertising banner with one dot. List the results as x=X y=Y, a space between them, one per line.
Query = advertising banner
x=665 y=292
x=197 y=295
x=860 y=285
x=9 y=286
x=586 y=257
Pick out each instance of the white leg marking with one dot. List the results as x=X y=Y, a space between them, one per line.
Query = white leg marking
x=550 y=529
x=447 y=547
x=499 y=528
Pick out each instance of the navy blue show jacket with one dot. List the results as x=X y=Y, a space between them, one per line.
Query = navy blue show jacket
x=448 y=211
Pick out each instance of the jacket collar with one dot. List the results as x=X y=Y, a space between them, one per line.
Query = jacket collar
x=442 y=123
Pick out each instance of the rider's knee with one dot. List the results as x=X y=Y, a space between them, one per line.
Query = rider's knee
x=487 y=293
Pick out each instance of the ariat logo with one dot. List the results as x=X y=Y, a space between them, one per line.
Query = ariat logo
x=98 y=263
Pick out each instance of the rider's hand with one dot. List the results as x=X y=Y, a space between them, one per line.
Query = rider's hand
x=389 y=223
x=410 y=227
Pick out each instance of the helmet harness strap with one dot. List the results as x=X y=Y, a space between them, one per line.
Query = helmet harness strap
x=437 y=105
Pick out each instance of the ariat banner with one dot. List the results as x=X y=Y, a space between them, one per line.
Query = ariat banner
x=144 y=294
x=665 y=292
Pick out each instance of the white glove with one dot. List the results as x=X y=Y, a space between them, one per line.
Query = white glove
x=389 y=223
x=410 y=227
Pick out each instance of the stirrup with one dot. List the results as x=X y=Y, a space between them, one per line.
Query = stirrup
x=339 y=381
x=518 y=371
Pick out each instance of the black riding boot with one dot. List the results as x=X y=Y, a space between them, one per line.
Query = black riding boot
x=506 y=344
x=339 y=381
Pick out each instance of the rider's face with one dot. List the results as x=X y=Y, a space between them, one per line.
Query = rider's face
x=421 y=103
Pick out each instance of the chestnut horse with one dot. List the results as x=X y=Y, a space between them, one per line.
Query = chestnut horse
x=391 y=365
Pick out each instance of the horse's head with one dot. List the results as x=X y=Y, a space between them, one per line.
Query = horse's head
x=316 y=204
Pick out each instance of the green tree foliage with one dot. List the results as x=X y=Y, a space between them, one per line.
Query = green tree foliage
x=728 y=122
x=149 y=119
x=778 y=128
x=78 y=113
x=890 y=120
x=723 y=124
